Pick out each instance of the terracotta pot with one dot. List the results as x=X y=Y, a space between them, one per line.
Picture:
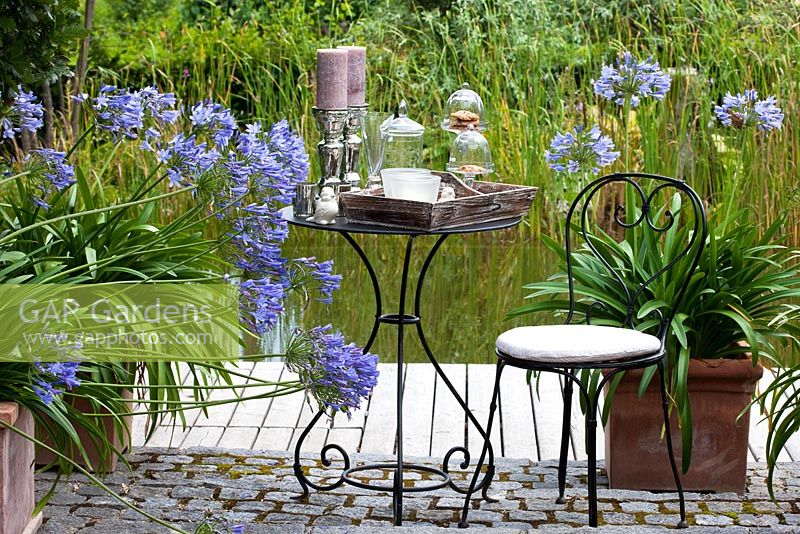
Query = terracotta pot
x=636 y=456
x=16 y=473
x=121 y=441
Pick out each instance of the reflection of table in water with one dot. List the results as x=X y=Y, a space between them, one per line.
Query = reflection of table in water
x=400 y=319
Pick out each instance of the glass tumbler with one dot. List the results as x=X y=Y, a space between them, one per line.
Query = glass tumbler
x=374 y=144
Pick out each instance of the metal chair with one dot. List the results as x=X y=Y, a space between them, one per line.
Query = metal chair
x=571 y=348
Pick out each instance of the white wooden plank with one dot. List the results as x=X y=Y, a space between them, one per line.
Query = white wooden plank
x=253 y=412
x=418 y=409
x=285 y=410
x=348 y=438
x=273 y=439
x=759 y=427
x=167 y=436
x=138 y=427
x=480 y=384
x=791 y=451
x=315 y=440
x=221 y=414
x=379 y=428
x=578 y=426
x=238 y=437
x=519 y=436
x=548 y=407
x=448 y=415
x=202 y=436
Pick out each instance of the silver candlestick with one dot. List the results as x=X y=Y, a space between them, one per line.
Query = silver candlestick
x=352 y=145
x=331 y=149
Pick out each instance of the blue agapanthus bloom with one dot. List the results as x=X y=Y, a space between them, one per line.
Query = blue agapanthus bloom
x=125 y=113
x=214 y=119
x=57 y=174
x=25 y=115
x=52 y=375
x=631 y=80
x=186 y=159
x=262 y=300
x=580 y=151
x=322 y=273
x=745 y=111
x=338 y=375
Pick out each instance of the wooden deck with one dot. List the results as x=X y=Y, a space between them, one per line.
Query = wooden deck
x=529 y=424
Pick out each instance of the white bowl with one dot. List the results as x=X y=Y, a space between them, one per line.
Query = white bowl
x=408 y=173
x=412 y=188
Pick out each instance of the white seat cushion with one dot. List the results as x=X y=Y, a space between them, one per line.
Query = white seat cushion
x=575 y=343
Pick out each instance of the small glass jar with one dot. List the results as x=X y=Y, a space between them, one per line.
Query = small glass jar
x=470 y=155
x=464 y=108
x=402 y=140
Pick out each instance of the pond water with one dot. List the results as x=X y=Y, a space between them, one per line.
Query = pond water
x=471 y=284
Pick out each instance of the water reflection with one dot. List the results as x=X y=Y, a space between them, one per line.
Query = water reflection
x=473 y=281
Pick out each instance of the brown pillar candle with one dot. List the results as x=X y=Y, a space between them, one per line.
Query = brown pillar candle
x=356 y=75
x=331 y=78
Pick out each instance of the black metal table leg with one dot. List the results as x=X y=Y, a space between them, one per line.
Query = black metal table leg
x=305 y=483
x=487 y=479
x=399 y=466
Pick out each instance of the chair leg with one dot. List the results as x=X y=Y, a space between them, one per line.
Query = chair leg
x=565 y=432
x=591 y=435
x=665 y=407
x=492 y=409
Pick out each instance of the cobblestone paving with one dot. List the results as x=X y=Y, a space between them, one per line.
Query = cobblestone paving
x=255 y=488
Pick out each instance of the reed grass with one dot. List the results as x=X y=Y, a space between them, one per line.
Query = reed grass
x=533 y=62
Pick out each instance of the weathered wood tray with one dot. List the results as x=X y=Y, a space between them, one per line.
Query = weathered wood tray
x=483 y=202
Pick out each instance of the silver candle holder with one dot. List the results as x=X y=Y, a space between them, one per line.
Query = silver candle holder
x=352 y=145
x=331 y=149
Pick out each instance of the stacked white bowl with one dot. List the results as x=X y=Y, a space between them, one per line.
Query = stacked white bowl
x=411 y=184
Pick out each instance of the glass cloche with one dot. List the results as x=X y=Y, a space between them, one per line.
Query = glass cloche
x=470 y=155
x=402 y=140
x=464 y=107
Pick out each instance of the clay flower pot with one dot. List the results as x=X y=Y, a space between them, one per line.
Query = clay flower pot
x=636 y=456
x=121 y=441
x=16 y=473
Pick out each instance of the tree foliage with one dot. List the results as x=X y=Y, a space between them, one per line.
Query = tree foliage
x=37 y=38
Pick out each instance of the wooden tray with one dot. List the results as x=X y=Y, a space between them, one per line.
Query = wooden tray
x=483 y=202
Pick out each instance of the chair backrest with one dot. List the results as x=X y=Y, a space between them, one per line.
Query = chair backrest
x=653 y=197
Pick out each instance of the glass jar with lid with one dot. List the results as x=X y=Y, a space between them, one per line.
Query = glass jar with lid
x=470 y=155
x=464 y=108
x=402 y=137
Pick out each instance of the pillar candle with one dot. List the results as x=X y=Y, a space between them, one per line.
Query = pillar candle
x=356 y=75
x=331 y=78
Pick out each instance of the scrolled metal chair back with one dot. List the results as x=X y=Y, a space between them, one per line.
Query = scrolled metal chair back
x=647 y=189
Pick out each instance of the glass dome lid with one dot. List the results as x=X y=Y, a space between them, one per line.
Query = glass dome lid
x=401 y=125
x=464 y=107
x=470 y=154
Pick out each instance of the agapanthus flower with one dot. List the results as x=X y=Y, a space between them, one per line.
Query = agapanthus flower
x=26 y=115
x=338 y=375
x=237 y=529
x=45 y=391
x=631 y=80
x=125 y=114
x=186 y=159
x=215 y=120
x=52 y=375
x=52 y=166
x=745 y=111
x=322 y=273
x=64 y=373
x=262 y=302
x=580 y=151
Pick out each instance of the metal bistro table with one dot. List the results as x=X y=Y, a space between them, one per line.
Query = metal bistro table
x=400 y=319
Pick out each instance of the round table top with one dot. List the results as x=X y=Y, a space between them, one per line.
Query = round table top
x=359 y=228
